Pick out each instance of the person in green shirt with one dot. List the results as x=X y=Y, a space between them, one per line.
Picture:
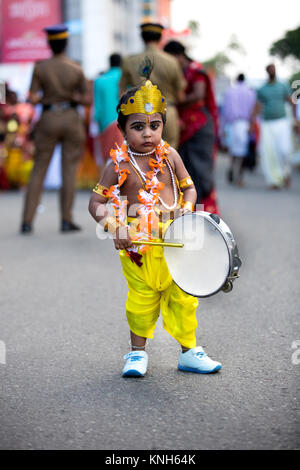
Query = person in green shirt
x=276 y=137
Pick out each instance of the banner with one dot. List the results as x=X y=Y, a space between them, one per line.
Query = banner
x=22 y=36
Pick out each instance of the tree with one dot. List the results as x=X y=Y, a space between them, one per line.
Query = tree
x=294 y=77
x=221 y=59
x=217 y=63
x=194 y=26
x=235 y=45
x=289 y=45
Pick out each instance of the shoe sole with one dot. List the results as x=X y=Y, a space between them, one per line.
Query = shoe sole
x=198 y=371
x=132 y=373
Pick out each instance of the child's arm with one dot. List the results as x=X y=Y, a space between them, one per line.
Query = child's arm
x=185 y=182
x=98 y=210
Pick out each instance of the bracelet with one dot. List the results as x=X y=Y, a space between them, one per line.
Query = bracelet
x=186 y=182
x=101 y=190
x=188 y=205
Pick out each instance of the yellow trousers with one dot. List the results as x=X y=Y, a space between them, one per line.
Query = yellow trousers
x=151 y=290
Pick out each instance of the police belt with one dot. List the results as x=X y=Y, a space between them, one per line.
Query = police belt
x=61 y=106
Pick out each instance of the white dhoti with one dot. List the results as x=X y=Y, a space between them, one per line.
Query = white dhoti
x=275 y=150
x=238 y=138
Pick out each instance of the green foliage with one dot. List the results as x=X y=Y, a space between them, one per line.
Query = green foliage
x=294 y=77
x=194 y=26
x=220 y=60
x=235 y=45
x=289 y=45
x=217 y=63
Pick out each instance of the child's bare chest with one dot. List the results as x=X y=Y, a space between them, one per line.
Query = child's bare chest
x=136 y=180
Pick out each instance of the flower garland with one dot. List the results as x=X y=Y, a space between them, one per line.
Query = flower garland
x=148 y=196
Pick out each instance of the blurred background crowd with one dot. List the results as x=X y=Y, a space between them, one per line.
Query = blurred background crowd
x=101 y=36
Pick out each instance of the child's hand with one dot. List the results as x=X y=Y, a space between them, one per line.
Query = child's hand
x=122 y=239
x=184 y=210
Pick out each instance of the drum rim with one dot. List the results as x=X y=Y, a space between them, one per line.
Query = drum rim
x=228 y=250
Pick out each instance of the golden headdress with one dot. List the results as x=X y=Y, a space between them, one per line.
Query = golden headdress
x=148 y=98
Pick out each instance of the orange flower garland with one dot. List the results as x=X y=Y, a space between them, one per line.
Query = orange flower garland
x=149 y=197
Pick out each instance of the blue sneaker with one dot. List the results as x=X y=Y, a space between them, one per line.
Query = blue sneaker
x=136 y=364
x=196 y=360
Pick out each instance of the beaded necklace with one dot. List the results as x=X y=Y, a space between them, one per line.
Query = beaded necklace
x=141 y=154
x=143 y=176
x=148 y=196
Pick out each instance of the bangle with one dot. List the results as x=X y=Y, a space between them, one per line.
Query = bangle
x=186 y=182
x=188 y=205
x=101 y=190
x=111 y=224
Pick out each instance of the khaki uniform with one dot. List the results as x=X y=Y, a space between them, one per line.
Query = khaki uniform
x=58 y=78
x=168 y=77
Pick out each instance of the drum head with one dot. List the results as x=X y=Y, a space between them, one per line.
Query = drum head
x=202 y=266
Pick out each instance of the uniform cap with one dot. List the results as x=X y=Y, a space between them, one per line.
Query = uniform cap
x=56 y=32
x=152 y=27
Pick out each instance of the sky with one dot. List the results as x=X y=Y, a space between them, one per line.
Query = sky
x=255 y=24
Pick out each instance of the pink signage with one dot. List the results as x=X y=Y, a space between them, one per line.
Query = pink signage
x=22 y=23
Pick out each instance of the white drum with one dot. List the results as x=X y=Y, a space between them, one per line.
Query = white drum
x=209 y=259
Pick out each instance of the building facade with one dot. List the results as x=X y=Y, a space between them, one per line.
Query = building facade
x=101 y=27
x=97 y=28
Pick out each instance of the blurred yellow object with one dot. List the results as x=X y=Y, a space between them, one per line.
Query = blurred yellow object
x=16 y=168
x=88 y=172
x=12 y=164
x=25 y=171
x=12 y=125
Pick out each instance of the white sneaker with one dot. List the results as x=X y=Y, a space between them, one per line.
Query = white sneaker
x=195 y=360
x=136 y=364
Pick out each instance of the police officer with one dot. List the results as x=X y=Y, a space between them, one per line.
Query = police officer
x=166 y=74
x=59 y=85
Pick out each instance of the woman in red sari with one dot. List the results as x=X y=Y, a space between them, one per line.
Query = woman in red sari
x=199 y=120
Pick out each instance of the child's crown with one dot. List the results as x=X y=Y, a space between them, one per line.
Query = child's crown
x=147 y=100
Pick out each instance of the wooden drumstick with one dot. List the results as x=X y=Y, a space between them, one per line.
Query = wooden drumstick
x=174 y=245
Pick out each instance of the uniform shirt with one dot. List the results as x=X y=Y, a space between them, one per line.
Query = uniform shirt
x=273 y=97
x=58 y=78
x=166 y=74
x=106 y=97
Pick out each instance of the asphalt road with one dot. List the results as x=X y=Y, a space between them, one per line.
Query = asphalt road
x=63 y=334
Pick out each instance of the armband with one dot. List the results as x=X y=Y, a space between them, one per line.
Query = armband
x=101 y=190
x=186 y=182
x=188 y=205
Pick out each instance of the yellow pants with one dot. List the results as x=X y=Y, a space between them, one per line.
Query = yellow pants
x=151 y=290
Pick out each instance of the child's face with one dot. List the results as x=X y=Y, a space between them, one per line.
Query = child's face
x=142 y=132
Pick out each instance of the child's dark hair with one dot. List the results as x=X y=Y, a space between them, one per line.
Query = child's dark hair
x=122 y=119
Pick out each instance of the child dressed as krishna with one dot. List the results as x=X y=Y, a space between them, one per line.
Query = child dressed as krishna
x=145 y=180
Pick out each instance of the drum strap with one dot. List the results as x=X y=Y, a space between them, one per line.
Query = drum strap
x=180 y=199
x=162 y=225
x=141 y=180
